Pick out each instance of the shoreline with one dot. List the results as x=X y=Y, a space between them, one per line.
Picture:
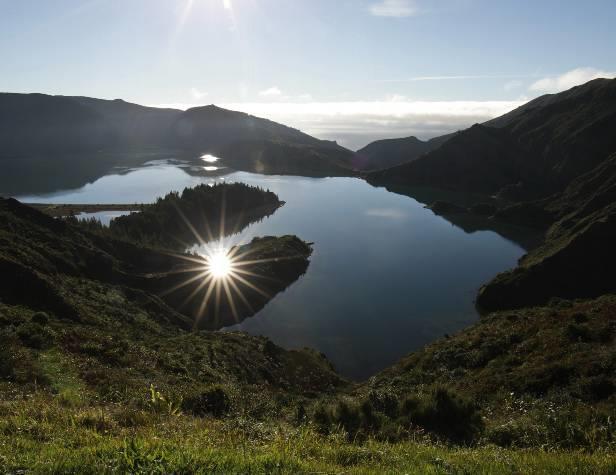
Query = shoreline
x=69 y=209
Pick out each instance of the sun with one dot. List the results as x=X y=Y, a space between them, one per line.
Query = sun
x=219 y=264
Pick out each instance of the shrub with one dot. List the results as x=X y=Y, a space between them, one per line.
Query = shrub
x=580 y=318
x=577 y=332
x=544 y=378
x=440 y=412
x=213 y=401
x=41 y=318
x=7 y=355
x=599 y=388
x=300 y=414
x=348 y=417
x=445 y=414
x=35 y=335
x=322 y=418
x=384 y=401
x=505 y=435
x=356 y=420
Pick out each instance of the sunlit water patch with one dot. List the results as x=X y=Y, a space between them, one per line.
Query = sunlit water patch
x=104 y=217
x=209 y=158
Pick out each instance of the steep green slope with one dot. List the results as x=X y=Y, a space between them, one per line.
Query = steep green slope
x=540 y=376
x=535 y=150
x=578 y=257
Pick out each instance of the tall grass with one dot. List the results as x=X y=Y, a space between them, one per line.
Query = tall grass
x=42 y=436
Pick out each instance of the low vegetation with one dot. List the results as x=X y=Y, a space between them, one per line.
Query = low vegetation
x=98 y=374
x=179 y=220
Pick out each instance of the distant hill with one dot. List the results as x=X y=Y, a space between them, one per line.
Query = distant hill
x=210 y=126
x=38 y=123
x=34 y=124
x=391 y=152
x=531 y=152
x=258 y=145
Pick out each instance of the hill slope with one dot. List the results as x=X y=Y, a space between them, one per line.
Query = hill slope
x=391 y=152
x=98 y=373
x=578 y=258
x=37 y=123
x=34 y=124
x=537 y=149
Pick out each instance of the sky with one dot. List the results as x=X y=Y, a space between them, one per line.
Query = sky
x=348 y=70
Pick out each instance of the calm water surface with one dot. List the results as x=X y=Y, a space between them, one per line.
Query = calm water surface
x=387 y=276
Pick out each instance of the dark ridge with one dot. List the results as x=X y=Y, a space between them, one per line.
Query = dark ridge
x=391 y=152
x=539 y=148
x=38 y=124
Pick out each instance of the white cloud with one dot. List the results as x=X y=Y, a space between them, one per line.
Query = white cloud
x=457 y=77
x=197 y=94
x=569 y=79
x=271 y=92
x=393 y=8
x=356 y=123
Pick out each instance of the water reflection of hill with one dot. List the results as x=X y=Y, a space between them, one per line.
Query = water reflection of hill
x=45 y=174
x=470 y=222
x=51 y=174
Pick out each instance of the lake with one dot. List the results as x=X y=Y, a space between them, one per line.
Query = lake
x=387 y=275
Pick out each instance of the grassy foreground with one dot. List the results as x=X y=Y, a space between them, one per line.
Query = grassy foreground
x=44 y=436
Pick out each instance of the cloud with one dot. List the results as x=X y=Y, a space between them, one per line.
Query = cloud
x=458 y=77
x=271 y=92
x=356 y=123
x=197 y=94
x=394 y=8
x=572 y=78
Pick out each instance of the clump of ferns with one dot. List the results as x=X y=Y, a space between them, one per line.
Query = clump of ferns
x=159 y=404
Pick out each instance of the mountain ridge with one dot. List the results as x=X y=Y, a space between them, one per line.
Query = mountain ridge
x=386 y=153
x=35 y=124
x=557 y=138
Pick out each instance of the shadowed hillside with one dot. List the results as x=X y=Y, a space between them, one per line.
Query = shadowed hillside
x=35 y=124
x=559 y=150
x=531 y=152
x=388 y=153
x=578 y=258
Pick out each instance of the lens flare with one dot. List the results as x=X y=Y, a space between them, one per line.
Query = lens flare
x=219 y=264
x=218 y=273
